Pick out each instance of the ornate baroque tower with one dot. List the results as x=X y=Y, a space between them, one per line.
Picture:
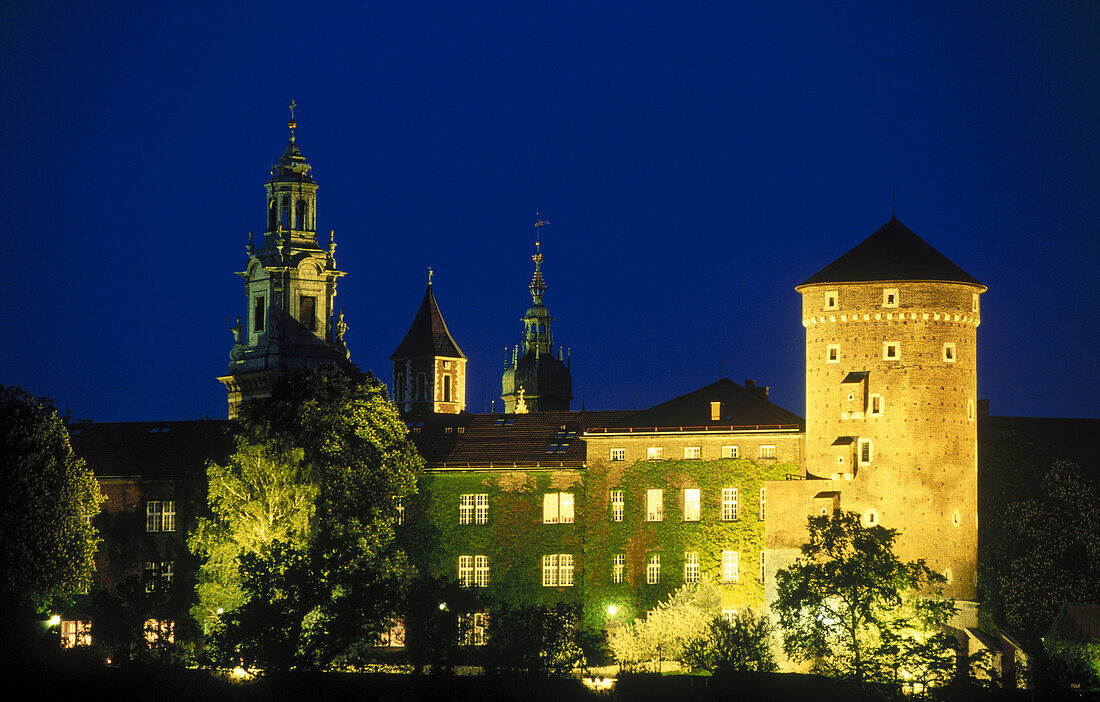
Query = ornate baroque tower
x=429 y=370
x=533 y=374
x=290 y=283
x=891 y=388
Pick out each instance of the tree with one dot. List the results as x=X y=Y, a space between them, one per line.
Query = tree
x=299 y=540
x=740 y=644
x=47 y=544
x=670 y=627
x=536 y=640
x=850 y=606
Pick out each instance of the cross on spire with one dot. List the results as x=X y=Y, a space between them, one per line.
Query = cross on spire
x=292 y=123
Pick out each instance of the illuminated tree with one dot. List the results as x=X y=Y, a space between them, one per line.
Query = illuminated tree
x=46 y=541
x=670 y=627
x=852 y=608
x=740 y=644
x=299 y=540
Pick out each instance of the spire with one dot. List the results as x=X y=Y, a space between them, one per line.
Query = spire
x=538 y=285
x=292 y=124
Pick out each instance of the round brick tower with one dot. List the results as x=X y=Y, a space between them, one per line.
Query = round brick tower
x=891 y=394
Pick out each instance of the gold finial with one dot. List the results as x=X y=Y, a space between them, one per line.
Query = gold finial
x=292 y=123
x=430 y=275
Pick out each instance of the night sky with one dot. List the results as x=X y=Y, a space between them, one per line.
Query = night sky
x=696 y=162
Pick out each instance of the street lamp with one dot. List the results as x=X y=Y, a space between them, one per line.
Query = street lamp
x=612 y=610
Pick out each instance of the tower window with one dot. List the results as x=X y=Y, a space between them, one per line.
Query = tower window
x=949 y=352
x=307 y=312
x=258 y=314
x=272 y=216
x=831 y=298
x=446 y=388
x=874 y=405
x=974 y=302
x=890 y=297
x=832 y=353
x=866 y=451
x=891 y=350
x=301 y=211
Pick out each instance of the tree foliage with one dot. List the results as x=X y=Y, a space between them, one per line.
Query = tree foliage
x=850 y=606
x=669 y=628
x=46 y=546
x=536 y=640
x=299 y=539
x=741 y=644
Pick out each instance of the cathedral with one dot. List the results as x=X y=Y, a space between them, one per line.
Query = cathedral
x=542 y=503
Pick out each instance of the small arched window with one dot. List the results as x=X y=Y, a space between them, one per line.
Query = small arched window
x=272 y=216
x=446 y=388
x=286 y=212
x=300 y=212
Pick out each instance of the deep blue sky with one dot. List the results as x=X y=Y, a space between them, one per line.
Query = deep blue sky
x=696 y=161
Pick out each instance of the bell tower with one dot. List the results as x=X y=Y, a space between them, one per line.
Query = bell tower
x=290 y=283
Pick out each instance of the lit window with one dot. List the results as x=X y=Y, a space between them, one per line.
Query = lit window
x=763 y=572
x=557 y=508
x=691 y=504
x=158 y=576
x=160 y=631
x=618 y=565
x=974 y=302
x=866 y=453
x=617 y=505
x=831 y=298
x=466 y=509
x=399 y=505
x=729 y=566
x=654 y=505
x=730 y=509
x=870 y=517
x=956 y=518
x=474 y=627
x=891 y=350
x=761 y=512
x=767 y=451
x=730 y=615
x=481 y=571
x=75 y=633
x=715 y=411
x=654 y=453
x=890 y=297
x=618 y=454
x=481 y=509
x=692 y=452
x=730 y=452
x=691 y=567
x=653 y=569
x=874 y=406
x=394 y=634
x=160 y=515
x=832 y=353
x=970 y=410
x=949 y=352
x=557 y=570
x=465 y=570
x=446 y=388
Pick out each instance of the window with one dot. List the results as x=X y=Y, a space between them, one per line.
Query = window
x=394 y=634
x=618 y=454
x=956 y=518
x=399 y=505
x=890 y=297
x=160 y=631
x=729 y=566
x=970 y=410
x=307 y=311
x=832 y=353
x=75 y=633
x=617 y=505
x=974 y=302
x=446 y=388
x=691 y=504
x=891 y=351
x=473 y=509
x=557 y=570
x=158 y=576
x=654 y=453
x=730 y=508
x=481 y=571
x=763 y=570
x=474 y=628
x=760 y=515
x=870 y=517
x=160 y=515
x=831 y=299
x=481 y=508
x=767 y=452
x=692 y=452
x=399 y=387
x=465 y=509
x=258 y=314
x=730 y=615
x=653 y=569
x=866 y=452
x=557 y=508
x=618 y=565
x=730 y=452
x=654 y=505
x=715 y=411
x=874 y=406
x=949 y=352
x=691 y=567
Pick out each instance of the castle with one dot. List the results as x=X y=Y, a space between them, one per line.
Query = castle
x=542 y=504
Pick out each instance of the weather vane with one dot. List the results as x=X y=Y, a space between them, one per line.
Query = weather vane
x=429 y=275
x=539 y=222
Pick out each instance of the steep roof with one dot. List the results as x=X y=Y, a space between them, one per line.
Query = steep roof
x=742 y=406
x=893 y=252
x=428 y=335
x=150 y=449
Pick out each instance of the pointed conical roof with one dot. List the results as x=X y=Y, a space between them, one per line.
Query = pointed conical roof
x=891 y=253
x=428 y=335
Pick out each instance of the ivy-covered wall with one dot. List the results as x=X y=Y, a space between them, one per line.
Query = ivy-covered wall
x=672 y=537
x=514 y=538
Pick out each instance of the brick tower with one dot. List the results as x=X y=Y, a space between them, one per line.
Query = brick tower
x=429 y=370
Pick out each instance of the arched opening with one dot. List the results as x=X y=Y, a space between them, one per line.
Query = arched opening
x=446 y=388
x=272 y=217
x=300 y=211
x=399 y=387
x=286 y=212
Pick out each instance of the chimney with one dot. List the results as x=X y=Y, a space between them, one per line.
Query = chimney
x=761 y=391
